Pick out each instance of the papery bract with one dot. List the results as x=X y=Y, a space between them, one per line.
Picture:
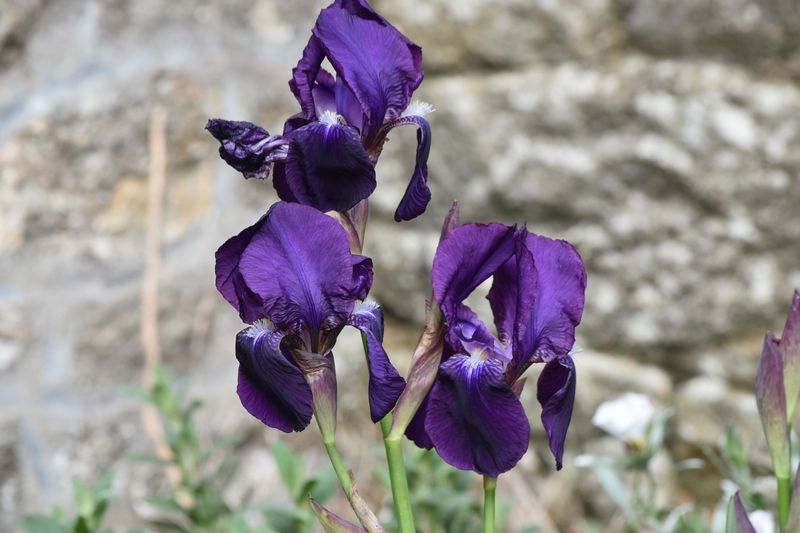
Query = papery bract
x=771 y=402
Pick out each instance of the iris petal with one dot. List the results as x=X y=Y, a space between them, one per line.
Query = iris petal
x=230 y=282
x=465 y=259
x=328 y=168
x=299 y=263
x=304 y=76
x=474 y=419
x=246 y=147
x=558 y=305
x=416 y=428
x=362 y=277
x=379 y=65
x=417 y=194
x=271 y=388
x=556 y=394
x=385 y=384
x=513 y=293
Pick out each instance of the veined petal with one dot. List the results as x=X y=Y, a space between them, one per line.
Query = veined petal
x=513 y=295
x=474 y=419
x=362 y=277
x=417 y=194
x=468 y=334
x=557 y=306
x=379 y=65
x=556 y=394
x=328 y=168
x=304 y=76
x=299 y=263
x=324 y=93
x=271 y=387
x=415 y=430
x=230 y=282
x=385 y=384
x=465 y=259
x=246 y=147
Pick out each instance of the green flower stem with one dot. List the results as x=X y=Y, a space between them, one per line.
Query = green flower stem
x=489 y=487
x=338 y=466
x=397 y=475
x=784 y=497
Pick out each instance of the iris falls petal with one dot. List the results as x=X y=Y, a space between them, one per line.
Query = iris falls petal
x=328 y=168
x=474 y=419
x=271 y=387
x=417 y=194
x=385 y=384
x=556 y=394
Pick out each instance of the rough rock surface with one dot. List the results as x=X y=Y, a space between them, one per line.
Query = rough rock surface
x=662 y=138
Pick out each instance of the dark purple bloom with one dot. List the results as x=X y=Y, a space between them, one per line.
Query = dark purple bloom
x=292 y=276
x=473 y=416
x=326 y=155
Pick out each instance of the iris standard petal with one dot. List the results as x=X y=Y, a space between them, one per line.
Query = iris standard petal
x=230 y=282
x=324 y=93
x=299 y=263
x=246 y=147
x=556 y=393
x=362 y=277
x=328 y=168
x=465 y=259
x=304 y=76
x=474 y=419
x=271 y=387
x=558 y=303
x=417 y=194
x=385 y=384
x=513 y=293
x=378 y=64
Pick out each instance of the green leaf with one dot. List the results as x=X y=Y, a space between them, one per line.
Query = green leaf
x=39 y=523
x=84 y=497
x=285 y=520
x=289 y=468
x=325 y=487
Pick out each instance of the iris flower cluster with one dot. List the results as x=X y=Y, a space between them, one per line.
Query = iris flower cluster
x=297 y=276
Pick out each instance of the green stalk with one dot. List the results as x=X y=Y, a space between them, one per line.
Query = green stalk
x=489 y=489
x=784 y=497
x=338 y=466
x=397 y=475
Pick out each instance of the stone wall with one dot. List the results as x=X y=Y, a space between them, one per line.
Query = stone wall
x=662 y=138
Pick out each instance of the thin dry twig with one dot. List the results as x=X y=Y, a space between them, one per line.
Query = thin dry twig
x=152 y=268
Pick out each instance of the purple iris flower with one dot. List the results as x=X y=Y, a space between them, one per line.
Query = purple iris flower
x=326 y=156
x=473 y=415
x=292 y=276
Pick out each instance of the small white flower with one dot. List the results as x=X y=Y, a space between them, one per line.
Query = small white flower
x=626 y=417
x=762 y=521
